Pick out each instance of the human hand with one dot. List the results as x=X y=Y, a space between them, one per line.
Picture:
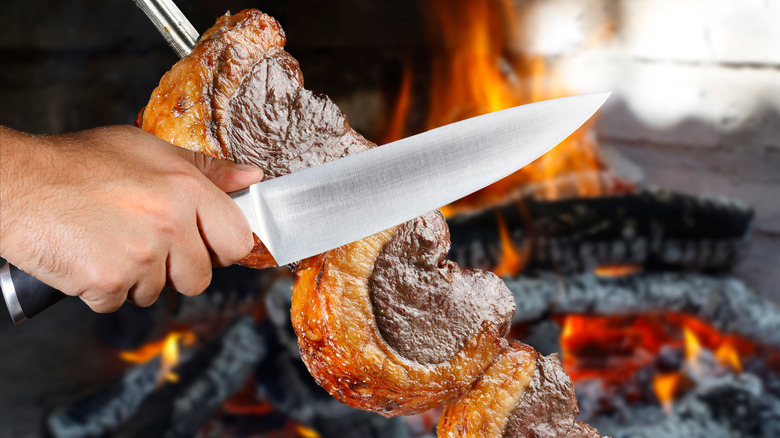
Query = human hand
x=114 y=214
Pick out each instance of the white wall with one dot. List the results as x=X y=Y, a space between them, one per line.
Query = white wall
x=696 y=101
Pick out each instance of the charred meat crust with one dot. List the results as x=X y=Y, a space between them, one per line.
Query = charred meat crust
x=521 y=395
x=547 y=406
x=240 y=96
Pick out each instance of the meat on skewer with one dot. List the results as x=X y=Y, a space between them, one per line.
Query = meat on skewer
x=385 y=324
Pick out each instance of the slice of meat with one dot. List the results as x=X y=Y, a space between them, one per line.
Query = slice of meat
x=523 y=394
x=239 y=96
x=385 y=324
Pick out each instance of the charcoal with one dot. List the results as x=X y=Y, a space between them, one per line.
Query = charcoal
x=283 y=379
x=654 y=229
x=107 y=409
x=725 y=302
x=136 y=405
x=232 y=291
x=727 y=407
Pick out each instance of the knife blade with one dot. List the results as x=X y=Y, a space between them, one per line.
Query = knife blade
x=326 y=206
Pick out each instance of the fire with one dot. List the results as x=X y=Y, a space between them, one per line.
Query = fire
x=692 y=348
x=170 y=357
x=397 y=127
x=665 y=386
x=727 y=349
x=479 y=69
x=613 y=348
x=728 y=354
x=305 y=432
x=615 y=271
x=512 y=259
x=167 y=348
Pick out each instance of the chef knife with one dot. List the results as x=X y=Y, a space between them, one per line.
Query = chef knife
x=26 y=296
x=323 y=207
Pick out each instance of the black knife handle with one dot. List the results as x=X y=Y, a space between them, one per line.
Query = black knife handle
x=25 y=295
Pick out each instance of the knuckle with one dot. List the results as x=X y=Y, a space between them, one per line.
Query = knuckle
x=142 y=251
x=105 y=281
x=145 y=300
x=108 y=306
x=105 y=304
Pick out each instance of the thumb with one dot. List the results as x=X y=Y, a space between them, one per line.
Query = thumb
x=225 y=174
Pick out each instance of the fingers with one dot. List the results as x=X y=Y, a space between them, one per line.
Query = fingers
x=226 y=175
x=224 y=229
x=148 y=288
x=189 y=264
x=106 y=296
x=187 y=270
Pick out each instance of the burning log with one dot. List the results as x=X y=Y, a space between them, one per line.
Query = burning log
x=725 y=302
x=138 y=405
x=649 y=228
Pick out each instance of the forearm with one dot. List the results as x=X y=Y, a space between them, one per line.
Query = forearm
x=115 y=213
x=18 y=158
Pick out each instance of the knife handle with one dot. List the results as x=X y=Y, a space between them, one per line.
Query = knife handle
x=25 y=295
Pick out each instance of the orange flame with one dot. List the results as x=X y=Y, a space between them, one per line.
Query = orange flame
x=612 y=348
x=727 y=354
x=512 y=259
x=727 y=348
x=306 y=432
x=692 y=348
x=168 y=347
x=665 y=386
x=397 y=127
x=476 y=71
x=616 y=271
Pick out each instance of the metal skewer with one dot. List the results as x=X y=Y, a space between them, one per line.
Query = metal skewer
x=172 y=24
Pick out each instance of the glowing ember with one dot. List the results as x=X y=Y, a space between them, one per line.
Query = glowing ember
x=167 y=348
x=609 y=348
x=616 y=271
x=305 y=432
x=612 y=349
x=665 y=386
